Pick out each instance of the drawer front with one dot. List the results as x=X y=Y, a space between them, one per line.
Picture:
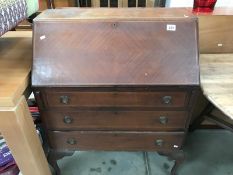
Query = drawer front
x=115 y=120
x=115 y=141
x=116 y=99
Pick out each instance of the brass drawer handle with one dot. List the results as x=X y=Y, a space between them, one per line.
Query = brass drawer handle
x=163 y=120
x=159 y=142
x=67 y=120
x=167 y=100
x=71 y=141
x=64 y=99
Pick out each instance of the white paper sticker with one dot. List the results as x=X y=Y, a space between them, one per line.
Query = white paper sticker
x=42 y=37
x=171 y=27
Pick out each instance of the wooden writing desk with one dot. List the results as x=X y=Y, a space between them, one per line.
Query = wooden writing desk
x=16 y=123
x=15 y=63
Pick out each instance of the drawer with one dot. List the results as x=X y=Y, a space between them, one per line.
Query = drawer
x=115 y=141
x=116 y=99
x=115 y=120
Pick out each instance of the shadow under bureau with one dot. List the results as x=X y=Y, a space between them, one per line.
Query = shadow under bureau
x=115 y=79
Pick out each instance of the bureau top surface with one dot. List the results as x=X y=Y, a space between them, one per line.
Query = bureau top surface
x=98 y=53
x=115 y=13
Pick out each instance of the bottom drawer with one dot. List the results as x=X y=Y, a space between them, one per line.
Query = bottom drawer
x=115 y=141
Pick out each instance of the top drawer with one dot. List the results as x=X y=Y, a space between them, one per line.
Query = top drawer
x=66 y=98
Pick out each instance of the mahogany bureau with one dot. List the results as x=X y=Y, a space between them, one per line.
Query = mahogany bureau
x=115 y=79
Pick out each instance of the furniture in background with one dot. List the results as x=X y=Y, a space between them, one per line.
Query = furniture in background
x=217 y=86
x=16 y=123
x=128 y=3
x=216 y=61
x=108 y=3
x=15 y=11
x=119 y=87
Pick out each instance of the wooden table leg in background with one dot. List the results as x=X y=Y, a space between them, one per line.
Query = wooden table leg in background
x=17 y=128
x=197 y=122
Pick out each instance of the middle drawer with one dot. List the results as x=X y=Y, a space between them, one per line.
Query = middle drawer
x=115 y=120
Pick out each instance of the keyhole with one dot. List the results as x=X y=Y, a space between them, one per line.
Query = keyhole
x=114 y=25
